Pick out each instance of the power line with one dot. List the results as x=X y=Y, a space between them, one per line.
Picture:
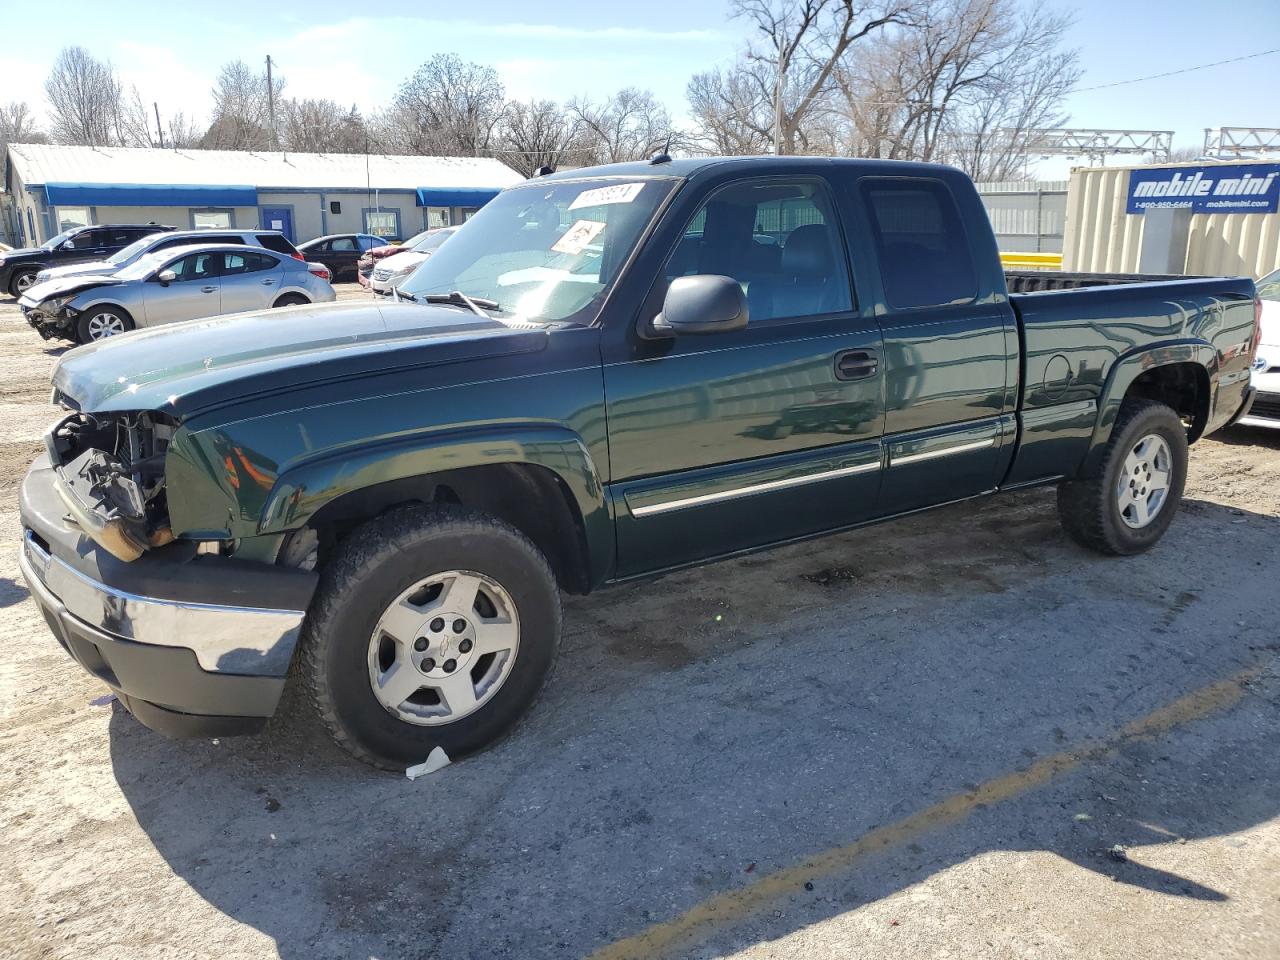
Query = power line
x=1174 y=73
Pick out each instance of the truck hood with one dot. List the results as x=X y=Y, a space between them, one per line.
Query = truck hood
x=61 y=286
x=193 y=367
x=21 y=252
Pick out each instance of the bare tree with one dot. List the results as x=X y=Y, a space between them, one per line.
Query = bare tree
x=802 y=44
x=539 y=133
x=182 y=132
x=84 y=97
x=321 y=126
x=732 y=110
x=449 y=107
x=17 y=125
x=630 y=125
x=241 y=114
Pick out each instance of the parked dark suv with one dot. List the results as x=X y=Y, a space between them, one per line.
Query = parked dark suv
x=18 y=268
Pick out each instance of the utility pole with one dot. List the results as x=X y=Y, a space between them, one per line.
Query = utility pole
x=271 y=105
x=777 y=104
x=159 y=129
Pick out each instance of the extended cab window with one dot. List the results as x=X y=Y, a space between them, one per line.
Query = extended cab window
x=923 y=251
x=778 y=239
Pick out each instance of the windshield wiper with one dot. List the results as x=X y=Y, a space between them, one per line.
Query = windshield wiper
x=460 y=299
x=398 y=294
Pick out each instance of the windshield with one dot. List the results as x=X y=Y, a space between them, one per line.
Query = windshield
x=546 y=251
x=1269 y=286
x=142 y=266
x=433 y=239
x=131 y=251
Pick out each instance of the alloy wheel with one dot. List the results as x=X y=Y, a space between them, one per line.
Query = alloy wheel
x=1143 y=486
x=443 y=648
x=103 y=325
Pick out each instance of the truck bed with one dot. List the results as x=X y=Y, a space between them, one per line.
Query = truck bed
x=1038 y=281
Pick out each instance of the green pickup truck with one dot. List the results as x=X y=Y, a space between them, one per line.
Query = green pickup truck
x=605 y=374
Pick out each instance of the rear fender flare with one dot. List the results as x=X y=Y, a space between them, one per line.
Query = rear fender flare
x=1127 y=369
x=304 y=488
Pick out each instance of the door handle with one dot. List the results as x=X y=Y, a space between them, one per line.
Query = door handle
x=856 y=364
x=208 y=289
x=267 y=283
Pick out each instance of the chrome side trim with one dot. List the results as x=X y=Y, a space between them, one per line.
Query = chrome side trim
x=224 y=639
x=754 y=488
x=944 y=452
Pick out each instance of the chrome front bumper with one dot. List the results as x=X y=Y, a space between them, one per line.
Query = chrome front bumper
x=194 y=645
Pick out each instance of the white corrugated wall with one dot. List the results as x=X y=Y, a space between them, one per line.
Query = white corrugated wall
x=1102 y=238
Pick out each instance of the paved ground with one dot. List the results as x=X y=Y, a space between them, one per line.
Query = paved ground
x=910 y=741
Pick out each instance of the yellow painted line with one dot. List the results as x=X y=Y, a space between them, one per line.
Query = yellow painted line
x=729 y=908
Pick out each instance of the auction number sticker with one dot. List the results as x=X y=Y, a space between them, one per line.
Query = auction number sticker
x=575 y=239
x=618 y=193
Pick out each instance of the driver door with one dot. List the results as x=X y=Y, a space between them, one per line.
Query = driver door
x=726 y=441
x=194 y=292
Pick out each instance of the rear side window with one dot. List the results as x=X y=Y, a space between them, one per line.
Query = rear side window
x=342 y=244
x=238 y=262
x=923 y=251
x=276 y=242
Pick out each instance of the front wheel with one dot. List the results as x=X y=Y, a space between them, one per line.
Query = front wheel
x=1128 y=501
x=99 y=323
x=432 y=627
x=22 y=281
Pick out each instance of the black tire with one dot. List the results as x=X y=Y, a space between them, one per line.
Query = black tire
x=370 y=569
x=19 y=275
x=89 y=323
x=290 y=300
x=1088 y=507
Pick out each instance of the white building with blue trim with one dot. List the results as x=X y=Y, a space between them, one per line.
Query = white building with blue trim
x=49 y=188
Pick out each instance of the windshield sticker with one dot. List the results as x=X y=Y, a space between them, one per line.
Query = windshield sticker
x=575 y=239
x=619 y=193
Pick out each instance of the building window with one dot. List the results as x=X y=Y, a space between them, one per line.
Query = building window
x=437 y=217
x=211 y=219
x=382 y=223
x=69 y=217
x=335 y=207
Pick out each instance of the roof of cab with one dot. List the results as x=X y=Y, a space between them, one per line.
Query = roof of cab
x=686 y=167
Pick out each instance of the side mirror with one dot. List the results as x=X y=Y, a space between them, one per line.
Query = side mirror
x=702 y=304
x=166 y=277
x=67 y=245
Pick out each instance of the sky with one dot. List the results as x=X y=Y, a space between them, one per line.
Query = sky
x=571 y=48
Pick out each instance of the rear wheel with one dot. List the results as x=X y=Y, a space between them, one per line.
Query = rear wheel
x=1128 y=502
x=290 y=300
x=432 y=627
x=22 y=281
x=99 y=323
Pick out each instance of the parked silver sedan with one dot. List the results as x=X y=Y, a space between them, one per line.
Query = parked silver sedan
x=182 y=283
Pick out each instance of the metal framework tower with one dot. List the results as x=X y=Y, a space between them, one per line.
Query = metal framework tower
x=1095 y=145
x=1238 y=143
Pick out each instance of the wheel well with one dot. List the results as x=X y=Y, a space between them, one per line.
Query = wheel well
x=530 y=498
x=288 y=299
x=1182 y=386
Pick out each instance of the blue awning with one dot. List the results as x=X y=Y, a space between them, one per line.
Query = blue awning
x=455 y=196
x=150 y=195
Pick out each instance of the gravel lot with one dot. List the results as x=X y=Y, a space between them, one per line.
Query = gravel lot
x=917 y=740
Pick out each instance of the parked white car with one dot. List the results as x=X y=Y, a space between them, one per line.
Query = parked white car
x=394 y=270
x=1266 y=367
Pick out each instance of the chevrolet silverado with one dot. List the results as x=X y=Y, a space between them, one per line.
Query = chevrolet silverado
x=605 y=374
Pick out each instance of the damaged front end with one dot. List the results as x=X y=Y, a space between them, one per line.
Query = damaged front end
x=53 y=319
x=110 y=473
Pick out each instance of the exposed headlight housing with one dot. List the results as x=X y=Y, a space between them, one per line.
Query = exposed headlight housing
x=57 y=303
